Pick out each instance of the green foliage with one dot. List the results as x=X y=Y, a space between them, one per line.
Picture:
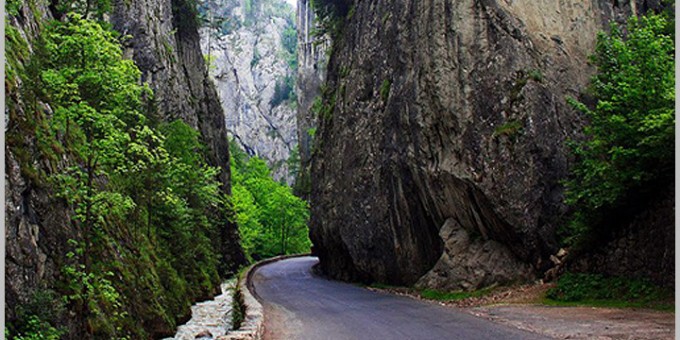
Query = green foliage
x=509 y=128
x=36 y=319
x=90 y=9
x=256 y=58
x=535 y=75
x=331 y=16
x=16 y=53
x=293 y=162
x=351 y=12
x=630 y=140
x=344 y=71
x=284 y=90
x=12 y=8
x=323 y=108
x=249 y=12
x=143 y=199
x=185 y=15
x=618 y=291
x=37 y=329
x=385 y=89
x=238 y=305
x=272 y=221
x=289 y=42
x=289 y=39
x=96 y=292
x=210 y=61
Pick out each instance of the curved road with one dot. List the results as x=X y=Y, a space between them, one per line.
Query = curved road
x=300 y=305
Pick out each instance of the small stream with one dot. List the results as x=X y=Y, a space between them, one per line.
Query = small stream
x=209 y=319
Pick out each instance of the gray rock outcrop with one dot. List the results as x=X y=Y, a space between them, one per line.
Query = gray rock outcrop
x=452 y=111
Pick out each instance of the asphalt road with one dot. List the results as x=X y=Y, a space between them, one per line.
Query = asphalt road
x=301 y=305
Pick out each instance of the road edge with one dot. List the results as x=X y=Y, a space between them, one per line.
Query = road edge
x=253 y=324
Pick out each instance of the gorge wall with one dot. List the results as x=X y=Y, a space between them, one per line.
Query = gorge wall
x=312 y=60
x=442 y=137
x=164 y=43
x=251 y=51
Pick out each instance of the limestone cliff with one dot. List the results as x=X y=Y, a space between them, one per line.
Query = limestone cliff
x=251 y=49
x=441 y=143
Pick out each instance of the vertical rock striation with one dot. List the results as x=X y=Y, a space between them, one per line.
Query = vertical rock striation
x=443 y=144
x=311 y=73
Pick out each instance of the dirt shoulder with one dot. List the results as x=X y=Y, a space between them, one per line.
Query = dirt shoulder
x=520 y=307
x=582 y=322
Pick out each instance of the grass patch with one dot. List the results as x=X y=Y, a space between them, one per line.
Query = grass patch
x=597 y=290
x=385 y=286
x=535 y=75
x=435 y=295
x=509 y=128
x=238 y=307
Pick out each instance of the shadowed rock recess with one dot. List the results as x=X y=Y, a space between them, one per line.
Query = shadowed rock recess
x=441 y=144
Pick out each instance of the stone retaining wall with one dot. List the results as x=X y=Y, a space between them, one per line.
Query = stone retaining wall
x=253 y=325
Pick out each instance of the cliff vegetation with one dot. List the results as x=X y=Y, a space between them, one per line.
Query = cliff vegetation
x=143 y=211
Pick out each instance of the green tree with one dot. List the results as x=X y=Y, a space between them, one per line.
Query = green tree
x=97 y=111
x=146 y=207
x=272 y=221
x=630 y=140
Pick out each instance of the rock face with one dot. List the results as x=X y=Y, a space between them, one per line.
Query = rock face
x=469 y=262
x=443 y=142
x=255 y=81
x=36 y=224
x=644 y=248
x=311 y=73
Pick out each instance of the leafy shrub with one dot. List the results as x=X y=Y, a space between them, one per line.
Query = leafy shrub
x=331 y=16
x=289 y=39
x=572 y=287
x=36 y=319
x=630 y=139
x=37 y=329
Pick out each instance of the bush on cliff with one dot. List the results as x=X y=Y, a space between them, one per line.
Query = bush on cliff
x=629 y=146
